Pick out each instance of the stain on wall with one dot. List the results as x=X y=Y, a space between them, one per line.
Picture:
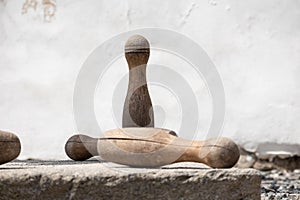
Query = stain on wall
x=48 y=7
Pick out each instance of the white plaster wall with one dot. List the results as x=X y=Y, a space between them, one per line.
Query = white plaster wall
x=255 y=46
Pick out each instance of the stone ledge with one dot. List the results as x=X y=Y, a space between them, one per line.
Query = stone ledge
x=95 y=180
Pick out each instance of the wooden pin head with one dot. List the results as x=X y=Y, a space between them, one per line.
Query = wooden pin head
x=137 y=110
x=137 y=51
x=81 y=147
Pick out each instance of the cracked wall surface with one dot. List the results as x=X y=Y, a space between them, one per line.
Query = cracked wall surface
x=255 y=46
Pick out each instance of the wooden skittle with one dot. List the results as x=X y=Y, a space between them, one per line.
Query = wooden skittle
x=151 y=147
x=137 y=110
x=10 y=147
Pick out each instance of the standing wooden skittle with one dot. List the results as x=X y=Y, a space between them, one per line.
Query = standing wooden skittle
x=137 y=111
x=151 y=147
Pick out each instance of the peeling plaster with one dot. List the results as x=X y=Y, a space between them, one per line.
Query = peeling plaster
x=270 y=149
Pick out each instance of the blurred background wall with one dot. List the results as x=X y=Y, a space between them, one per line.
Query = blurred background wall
x=255 y=46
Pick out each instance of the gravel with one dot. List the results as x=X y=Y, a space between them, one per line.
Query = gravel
x=283 y=185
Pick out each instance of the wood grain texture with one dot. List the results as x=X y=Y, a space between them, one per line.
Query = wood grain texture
x=10 y=147
x=81 y=147
x=137 y=110
x=152 y=147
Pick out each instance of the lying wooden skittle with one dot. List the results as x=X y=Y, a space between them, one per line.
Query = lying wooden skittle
x=10 y=147
x=151 y=147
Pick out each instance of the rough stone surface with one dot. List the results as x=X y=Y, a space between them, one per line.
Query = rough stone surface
x=95 y=180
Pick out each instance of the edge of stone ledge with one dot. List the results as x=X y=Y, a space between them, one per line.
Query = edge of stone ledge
x=93 y=180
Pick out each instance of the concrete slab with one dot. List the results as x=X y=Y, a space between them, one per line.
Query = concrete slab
x=95 y=180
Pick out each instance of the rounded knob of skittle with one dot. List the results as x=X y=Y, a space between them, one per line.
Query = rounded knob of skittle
x=219 y=153
x=137 y=110
x=137 y=51
x=81 y=147
x=10 y=147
